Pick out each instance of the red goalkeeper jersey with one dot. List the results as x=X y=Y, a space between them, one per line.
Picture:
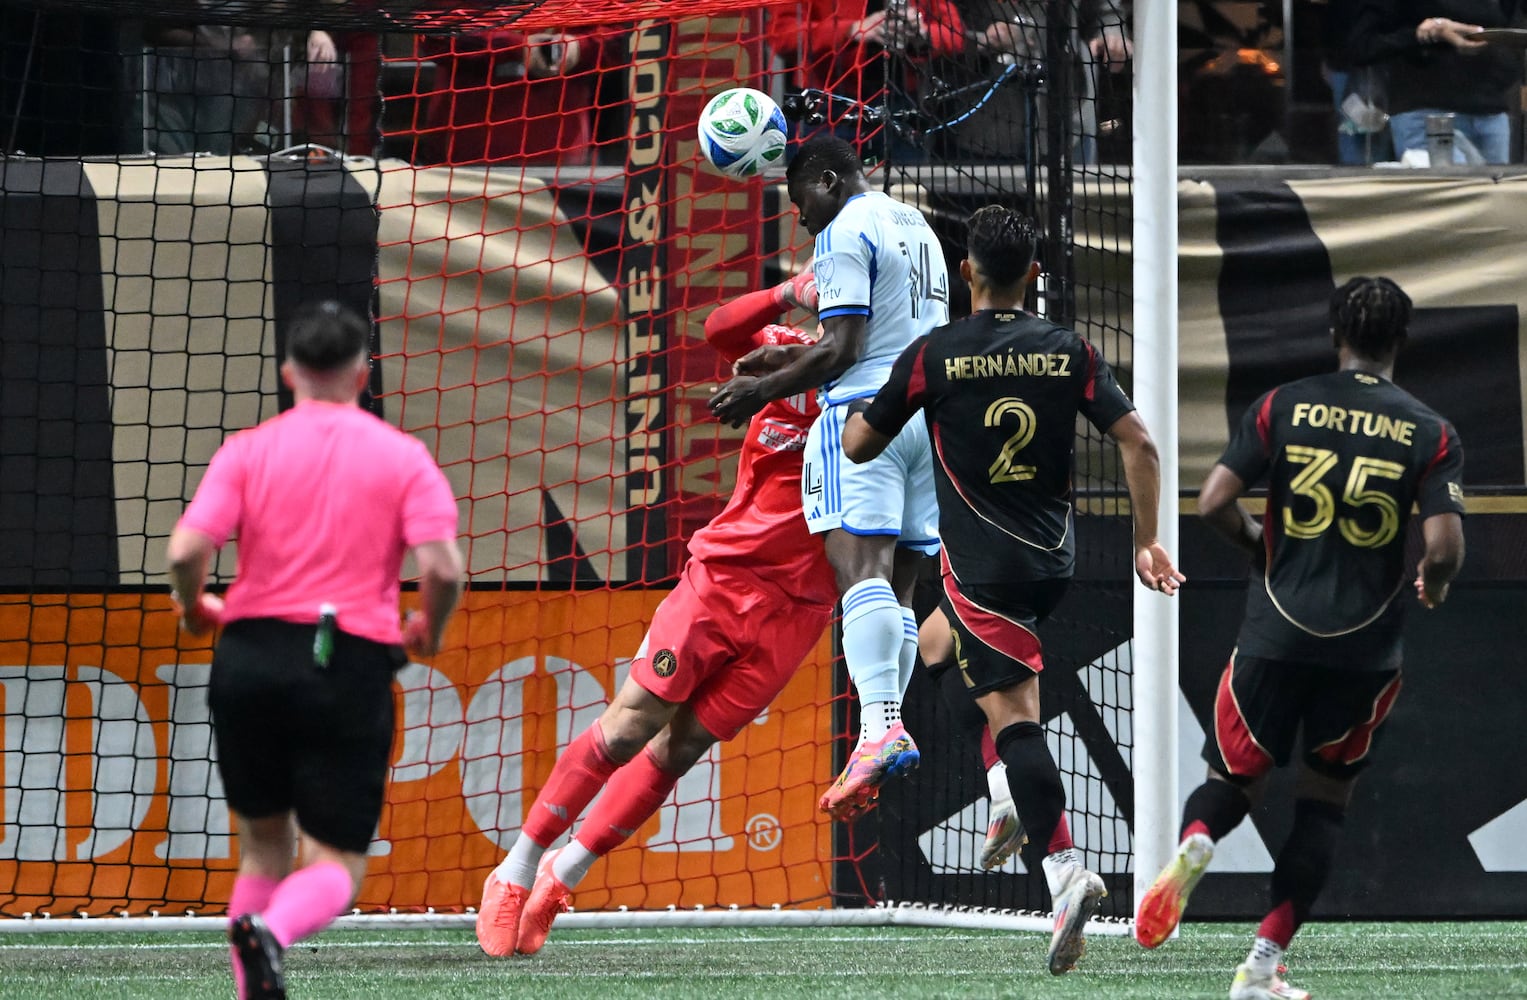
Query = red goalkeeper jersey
x=761 y=530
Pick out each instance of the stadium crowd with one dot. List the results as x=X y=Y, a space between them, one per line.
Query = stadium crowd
x=1355 y=85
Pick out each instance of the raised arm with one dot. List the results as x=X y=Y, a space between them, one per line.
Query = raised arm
x=841 y=343
x=1142 y=475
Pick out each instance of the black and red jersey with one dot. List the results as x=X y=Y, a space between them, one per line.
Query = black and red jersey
x=1345 y=457
x=1001 y=391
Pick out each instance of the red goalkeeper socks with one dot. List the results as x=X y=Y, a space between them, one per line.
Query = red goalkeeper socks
x=633 y=795
x=579 y=773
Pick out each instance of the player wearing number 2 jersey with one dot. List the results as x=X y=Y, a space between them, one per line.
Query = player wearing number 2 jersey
x=881 y=283
x=1000 y=392
x=1345 y=457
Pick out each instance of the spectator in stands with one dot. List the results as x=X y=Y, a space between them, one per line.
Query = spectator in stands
x=336 y=102
x=189 y=107
x=1435 y=66
x=505 y=96
x=1001 y=34
x=1357 y=92
x=854 y=48
x=211 y=89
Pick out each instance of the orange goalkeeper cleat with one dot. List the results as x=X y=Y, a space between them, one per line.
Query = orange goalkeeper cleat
x=873 y=762
x=498 y=918
x=548 y=898
x=1161 y=909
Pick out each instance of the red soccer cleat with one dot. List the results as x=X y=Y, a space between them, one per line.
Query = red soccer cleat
x=548 y=898
x=498 y=918
x=1161 y=909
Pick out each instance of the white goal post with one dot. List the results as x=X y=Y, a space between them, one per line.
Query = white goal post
x=1154 y=254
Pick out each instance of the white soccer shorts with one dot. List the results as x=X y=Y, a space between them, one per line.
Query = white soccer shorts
x=892 y=495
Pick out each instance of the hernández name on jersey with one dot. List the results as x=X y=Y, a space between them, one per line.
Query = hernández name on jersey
x=1001 y=391
x=879 y=259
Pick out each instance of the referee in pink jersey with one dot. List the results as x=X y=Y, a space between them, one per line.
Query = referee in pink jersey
x=325 y=500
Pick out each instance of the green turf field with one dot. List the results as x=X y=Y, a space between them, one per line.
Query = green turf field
x=1333 y=960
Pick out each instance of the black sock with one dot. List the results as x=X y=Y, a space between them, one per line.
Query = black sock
x=969 y=720
x=1038 y=794
x=1218 y=805
x=1304 y=864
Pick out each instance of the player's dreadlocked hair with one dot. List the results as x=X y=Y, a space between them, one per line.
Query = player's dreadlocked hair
x=1371 y=316
x=325 y=336
x=824 y=152
x=1001 y=244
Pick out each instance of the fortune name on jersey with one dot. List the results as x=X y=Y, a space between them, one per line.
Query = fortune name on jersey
x=998 y=365
x=1345 y=421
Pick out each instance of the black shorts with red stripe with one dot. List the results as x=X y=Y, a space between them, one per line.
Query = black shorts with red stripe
x=996 y=640
x=1261 y=704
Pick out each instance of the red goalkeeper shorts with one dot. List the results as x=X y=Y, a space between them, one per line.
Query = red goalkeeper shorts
x=726 y=643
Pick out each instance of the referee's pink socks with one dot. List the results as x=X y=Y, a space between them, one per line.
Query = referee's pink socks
x=307 y=901
x=578 y=776
x=251 y=894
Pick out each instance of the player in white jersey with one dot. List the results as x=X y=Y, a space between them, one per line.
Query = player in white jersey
x=881 y=283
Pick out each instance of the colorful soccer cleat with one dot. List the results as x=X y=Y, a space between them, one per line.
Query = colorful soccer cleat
x=1249 y=985
x=1161 y=909
x=260 y=954
x=548 y=898
x=871 y=764
x=498 y=918
x=1075 y=904
x=1004 y=835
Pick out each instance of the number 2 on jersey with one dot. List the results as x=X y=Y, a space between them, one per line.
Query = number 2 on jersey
x=1006 y=468
x=1357 y=493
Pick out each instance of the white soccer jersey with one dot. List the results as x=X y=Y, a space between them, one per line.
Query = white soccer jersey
x=880 y=258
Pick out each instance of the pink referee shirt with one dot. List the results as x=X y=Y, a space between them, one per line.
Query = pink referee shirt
x=325 y=499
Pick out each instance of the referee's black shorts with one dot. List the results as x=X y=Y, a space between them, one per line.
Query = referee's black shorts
x=296 y=737
x=996 y=642
x=1262 y=706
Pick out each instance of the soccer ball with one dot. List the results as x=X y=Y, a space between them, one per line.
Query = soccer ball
x=742 y=131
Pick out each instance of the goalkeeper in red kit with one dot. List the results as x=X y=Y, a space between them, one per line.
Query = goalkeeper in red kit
x=754 y=599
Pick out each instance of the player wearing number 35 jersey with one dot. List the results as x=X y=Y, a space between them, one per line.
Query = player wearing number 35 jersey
x=1345 y=457
x=1000 y=392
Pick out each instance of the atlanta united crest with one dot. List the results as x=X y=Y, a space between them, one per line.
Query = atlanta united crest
x=665 y=663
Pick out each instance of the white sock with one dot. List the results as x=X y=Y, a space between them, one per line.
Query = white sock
x=519 y=868
x=876 y=719
x=1058 y=868
x=1265 y=957
x=908 y=661
x=572 y=863
x=872 y=641
x=996 y=782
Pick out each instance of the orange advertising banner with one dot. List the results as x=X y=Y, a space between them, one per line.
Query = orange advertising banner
x=111 y=800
